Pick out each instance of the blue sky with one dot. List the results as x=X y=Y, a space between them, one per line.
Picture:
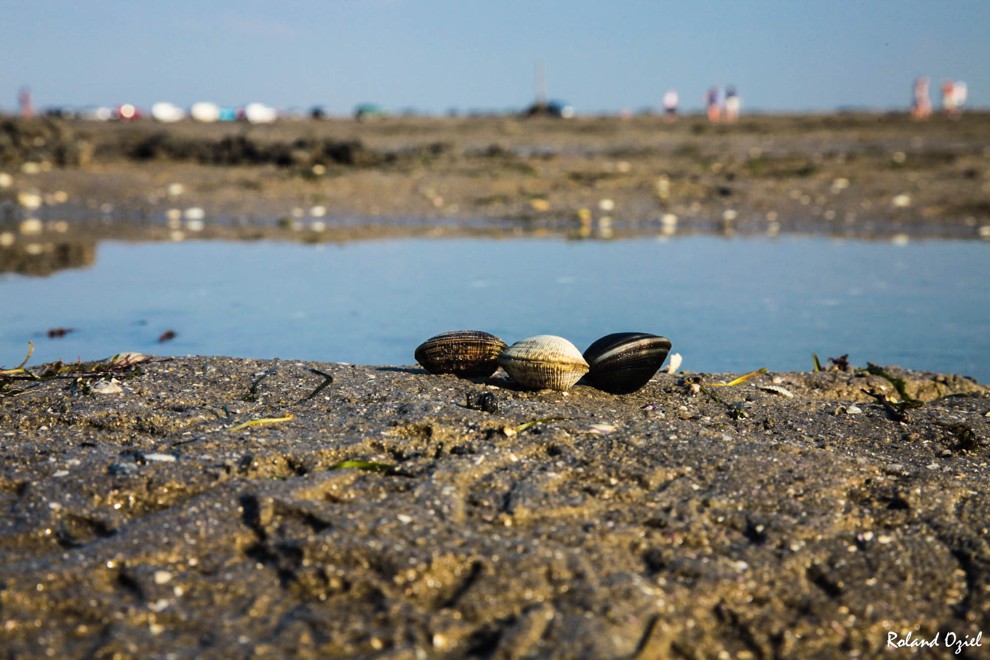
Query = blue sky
x=436 y=55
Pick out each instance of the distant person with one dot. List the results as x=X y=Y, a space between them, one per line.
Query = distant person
x=713 y=102
x=960 y=92
x=25 y=103
x=921 y=108
x=732 y=104
x=949 y=98
x=670 y=101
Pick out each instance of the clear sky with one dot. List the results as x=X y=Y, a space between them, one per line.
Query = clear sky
x=437 y=55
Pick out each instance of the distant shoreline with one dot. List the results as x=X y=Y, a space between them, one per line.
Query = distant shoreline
x=857 y=175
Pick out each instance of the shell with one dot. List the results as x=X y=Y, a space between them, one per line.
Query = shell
x=544 y=362
x=464 y=353
x=623 y=362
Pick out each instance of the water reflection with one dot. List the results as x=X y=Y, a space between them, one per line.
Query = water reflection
x=727 y=304
x=45 y=257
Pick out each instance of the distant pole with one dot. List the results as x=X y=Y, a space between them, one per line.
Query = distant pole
x=541 y=84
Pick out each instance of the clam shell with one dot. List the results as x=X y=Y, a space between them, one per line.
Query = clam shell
x=625 y=361
x=544 y=362
x=464 y=353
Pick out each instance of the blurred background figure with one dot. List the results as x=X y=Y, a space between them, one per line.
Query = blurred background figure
x=670 y=101
x=959 y=92
x=732 y=104
x=949 y=98
x=921 y=108
x=25 y=103
x=713 y=102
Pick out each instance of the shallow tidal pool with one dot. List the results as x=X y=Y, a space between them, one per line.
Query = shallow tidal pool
x=728 y=305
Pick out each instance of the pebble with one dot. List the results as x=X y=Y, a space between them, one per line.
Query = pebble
x=122 y=469
x=159 y=458
x=162 y=577
x=111 y=386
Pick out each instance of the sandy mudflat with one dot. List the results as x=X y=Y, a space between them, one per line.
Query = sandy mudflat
x=398 y=513
x=856 y=175
x=223 y=507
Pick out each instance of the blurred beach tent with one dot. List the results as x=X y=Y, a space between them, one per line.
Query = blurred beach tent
x=167 y=113
x=259 y=113
x=96 y=113
x=127 y=112
x=205 y=111
x=368 y=111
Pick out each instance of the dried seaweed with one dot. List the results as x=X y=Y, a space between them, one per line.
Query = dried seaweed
x=898 y=384
x=742 y=379
x=327 y=380
x=368 y=466
x=262 y=421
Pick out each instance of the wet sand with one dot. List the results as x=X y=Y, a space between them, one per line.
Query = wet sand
x=213 y=506
x=218 y=507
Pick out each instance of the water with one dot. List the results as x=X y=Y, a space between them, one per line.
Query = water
x=728 y=305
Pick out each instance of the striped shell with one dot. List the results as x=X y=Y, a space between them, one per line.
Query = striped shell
x=625 y=361
x=464 y=353
x=544 y=362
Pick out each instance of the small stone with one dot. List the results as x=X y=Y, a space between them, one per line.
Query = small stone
x=159 y=458
x=111 y=386
x=122 y=469
x=162 y=577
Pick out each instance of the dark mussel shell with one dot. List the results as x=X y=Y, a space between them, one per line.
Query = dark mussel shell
x=623 y=362
x=464 y=353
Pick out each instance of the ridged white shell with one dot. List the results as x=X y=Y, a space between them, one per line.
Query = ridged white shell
x=544 y=362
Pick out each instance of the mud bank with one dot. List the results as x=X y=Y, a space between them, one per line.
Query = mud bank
x=855 y=175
